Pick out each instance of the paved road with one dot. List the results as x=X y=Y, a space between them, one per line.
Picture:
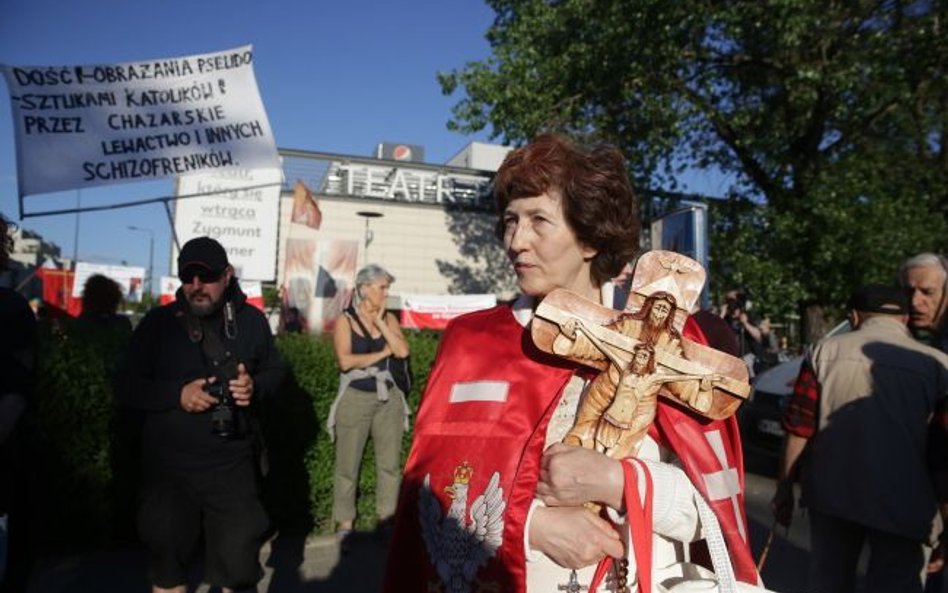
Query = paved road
x=297 y=566
x=785 y=568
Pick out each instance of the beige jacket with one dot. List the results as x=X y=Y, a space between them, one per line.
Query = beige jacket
x=866 y=463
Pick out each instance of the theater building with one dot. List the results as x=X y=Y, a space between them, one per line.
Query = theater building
x=431 y=226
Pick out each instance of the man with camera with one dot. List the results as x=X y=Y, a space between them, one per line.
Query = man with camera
x=749 y=337
x=194 y=368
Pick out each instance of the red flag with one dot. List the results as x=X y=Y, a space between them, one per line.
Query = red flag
x=711 y=455
x=305 y=207
x=57 y=290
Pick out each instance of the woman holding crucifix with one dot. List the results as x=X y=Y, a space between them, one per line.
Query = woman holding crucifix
x=490 y=499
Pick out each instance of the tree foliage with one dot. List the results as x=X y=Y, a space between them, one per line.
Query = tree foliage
x=828 y=115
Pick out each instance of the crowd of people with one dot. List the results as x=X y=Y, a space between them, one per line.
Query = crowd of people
x=500 y=490
x=867 y=438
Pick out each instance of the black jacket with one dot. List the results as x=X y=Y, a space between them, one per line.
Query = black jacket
x=17 y=351
x=161 y=359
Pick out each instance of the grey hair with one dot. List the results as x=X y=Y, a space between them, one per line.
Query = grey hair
x=368 y=275
x=923 y=260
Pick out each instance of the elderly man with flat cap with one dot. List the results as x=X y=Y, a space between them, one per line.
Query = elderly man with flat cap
x=861 y=407
x=195 y=369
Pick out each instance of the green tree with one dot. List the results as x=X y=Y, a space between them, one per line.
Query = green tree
x=829 y=117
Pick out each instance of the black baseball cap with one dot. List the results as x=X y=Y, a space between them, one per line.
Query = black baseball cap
x=203 y=257
x=879 y=298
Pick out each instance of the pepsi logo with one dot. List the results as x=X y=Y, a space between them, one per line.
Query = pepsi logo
x=401 y=153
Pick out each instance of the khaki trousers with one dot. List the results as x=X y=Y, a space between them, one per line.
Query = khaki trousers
x=359 y=415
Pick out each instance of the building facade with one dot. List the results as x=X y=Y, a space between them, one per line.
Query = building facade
x=431 y=226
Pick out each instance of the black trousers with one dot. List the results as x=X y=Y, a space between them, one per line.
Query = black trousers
x=223 y=502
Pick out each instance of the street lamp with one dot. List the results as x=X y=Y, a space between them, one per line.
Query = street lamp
x=151 y=253
x=369 y=236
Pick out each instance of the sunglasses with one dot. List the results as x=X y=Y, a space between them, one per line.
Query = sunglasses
x=206 y=276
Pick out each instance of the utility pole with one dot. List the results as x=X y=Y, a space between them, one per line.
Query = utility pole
x=151 y=255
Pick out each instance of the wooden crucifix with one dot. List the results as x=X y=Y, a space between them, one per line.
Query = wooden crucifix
x=641 y=353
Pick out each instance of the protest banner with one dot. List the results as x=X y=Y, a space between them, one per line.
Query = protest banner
x=434 y=311
x=129 y=279
x=84 y=126
x=245 y=221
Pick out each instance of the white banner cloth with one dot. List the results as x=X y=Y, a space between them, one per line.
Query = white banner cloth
x=85 y=126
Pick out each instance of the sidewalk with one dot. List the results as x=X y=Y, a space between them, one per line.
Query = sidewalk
x=296 y=565
x=291 y=565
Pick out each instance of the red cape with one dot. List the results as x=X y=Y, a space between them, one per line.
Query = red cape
x=479 y=437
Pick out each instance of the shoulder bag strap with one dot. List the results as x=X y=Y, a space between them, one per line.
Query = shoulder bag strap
x=351 y=312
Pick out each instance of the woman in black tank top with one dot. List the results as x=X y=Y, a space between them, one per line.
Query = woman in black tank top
x=364 y=339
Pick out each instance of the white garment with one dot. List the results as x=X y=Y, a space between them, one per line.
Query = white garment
x=675 y=512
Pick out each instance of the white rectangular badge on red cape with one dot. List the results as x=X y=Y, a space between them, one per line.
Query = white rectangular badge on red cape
x=479 y=391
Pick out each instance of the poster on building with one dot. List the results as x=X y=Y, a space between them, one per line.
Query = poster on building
x=299 y=279
x=335 y=279
x=129 y=278
x=137 y=121
x=244 y=218
x=319 y=279
x=434 y=311
x=251 y=288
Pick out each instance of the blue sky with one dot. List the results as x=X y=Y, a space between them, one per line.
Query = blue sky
x=334 y=76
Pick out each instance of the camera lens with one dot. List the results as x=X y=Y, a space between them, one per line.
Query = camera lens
x=222 y=421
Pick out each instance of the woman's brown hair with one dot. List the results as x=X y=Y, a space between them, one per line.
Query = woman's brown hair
x=595 y=193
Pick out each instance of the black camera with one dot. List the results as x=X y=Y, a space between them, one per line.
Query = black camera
x=224 y=414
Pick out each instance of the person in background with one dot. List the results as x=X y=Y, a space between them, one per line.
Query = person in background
x=17 y=358
x=102 y=328
x=924 y=277
x=861 y=408
x=769 y=346
x=36 y=305
x=368 y=402
x=101 y=298
x=719 y=334
x=293 y=322
x=194 y=368
x=925 y=280
x=735 y=312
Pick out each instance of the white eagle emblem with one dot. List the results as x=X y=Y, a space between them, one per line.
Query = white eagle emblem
x=458 y=548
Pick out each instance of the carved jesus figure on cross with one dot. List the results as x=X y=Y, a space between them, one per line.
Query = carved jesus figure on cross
x=642 y=355
x=621 y=403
